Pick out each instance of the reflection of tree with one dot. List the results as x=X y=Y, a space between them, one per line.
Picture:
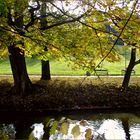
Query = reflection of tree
x=37 y=131
x=97 y=124
x=7 y=131
x=66 y=128
x=23 y=129
x=46 y=134
x=125 y=124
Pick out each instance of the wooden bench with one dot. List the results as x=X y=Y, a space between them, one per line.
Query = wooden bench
x=98 y=72
x=101 y=72
x=132 y=73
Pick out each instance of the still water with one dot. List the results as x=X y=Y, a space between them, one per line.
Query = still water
x=70 y=126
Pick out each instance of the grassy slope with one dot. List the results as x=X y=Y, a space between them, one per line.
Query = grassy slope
x=61 y=67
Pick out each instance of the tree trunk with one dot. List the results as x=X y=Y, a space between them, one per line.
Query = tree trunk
x=129 y=70
x=45 y=71
x=22 y=83
x=45 y=75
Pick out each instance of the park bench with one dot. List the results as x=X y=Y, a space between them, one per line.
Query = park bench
x=132 y=73
x=101 y=72
x=98 y=72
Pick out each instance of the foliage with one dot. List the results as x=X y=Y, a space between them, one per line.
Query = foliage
x=53 y=128
x=64 y=128
x=122 y=18
x=75 y=131
x=7 y=132
x=31 y=38
x=83 y=33
x=81 y=44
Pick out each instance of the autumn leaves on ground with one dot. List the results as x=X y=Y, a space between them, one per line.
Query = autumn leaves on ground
x=61 y=94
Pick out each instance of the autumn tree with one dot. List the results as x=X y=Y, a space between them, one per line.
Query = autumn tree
x=20 y=21
x=90 y=39
x=15 y=24
x=75 y=28
x=45 y=66
x=123 y=18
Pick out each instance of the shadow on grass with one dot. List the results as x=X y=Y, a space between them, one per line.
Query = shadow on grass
x=61 y=94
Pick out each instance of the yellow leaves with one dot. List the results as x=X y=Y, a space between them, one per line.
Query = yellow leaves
x=3 y=52
x=75 y=131
x=54 y=127
x=105 y=4
x=88 y=134
x=101 y=35
x=64 y=128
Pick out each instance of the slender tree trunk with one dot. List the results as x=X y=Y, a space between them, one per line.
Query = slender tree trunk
x=129 y=70
x=45 y=71
x=22 y=83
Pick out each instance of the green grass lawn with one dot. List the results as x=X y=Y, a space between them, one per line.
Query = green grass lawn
x=61 y=67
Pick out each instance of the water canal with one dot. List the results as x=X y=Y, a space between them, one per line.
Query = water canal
x=73 y=125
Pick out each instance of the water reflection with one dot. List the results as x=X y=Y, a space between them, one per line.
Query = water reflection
x=38 y=131
x=97 y=127
x=135 y=132
x=73 y=129
x=125 y=125
x=7 y=131
x=112 y=129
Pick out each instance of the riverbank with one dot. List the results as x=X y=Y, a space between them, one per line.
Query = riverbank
x=65 y=94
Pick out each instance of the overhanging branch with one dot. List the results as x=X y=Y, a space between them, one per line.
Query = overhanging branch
x=61 y=23
x=119 y=35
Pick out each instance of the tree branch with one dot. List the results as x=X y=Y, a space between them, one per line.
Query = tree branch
x=103 y=31
x=10 y=21
x=61 y=23
x=32 y=15
x=65 y=13
x=118 y=35
x=73 y=19
x=137 y=62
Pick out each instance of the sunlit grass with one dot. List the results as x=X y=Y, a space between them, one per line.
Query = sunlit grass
x=61 y=67
x=74 y=81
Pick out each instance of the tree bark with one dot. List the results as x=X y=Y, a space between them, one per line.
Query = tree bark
x=45 y=75
x=22 y=83
x=45 y=71
x=129 y=70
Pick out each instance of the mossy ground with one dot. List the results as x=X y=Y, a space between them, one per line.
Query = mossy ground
x=71 y=94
